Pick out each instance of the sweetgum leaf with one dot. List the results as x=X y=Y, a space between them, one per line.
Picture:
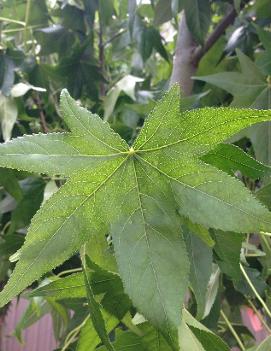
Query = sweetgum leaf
x=134 y=194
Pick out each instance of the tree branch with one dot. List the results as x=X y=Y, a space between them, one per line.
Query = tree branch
x=43 y=123
x=183 y=66
x=214 y=36
x=188 y=55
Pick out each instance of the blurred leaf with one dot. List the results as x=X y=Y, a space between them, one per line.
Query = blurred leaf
x=8 y=115
x=10 y=244
x=106 y=11
x=200 y=256
x=245 y=86
x=263 y=9
x=256 y=279
x=72 y=18
x=163 y=12
x=55 y=38
x=237 y=4
x=22 y=88
x=36 y=309
x=28 y=205
x=198 y=18
x=9 y=181
x=127 y=84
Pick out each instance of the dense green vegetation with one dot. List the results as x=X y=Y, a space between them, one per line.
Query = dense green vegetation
x=161 y=227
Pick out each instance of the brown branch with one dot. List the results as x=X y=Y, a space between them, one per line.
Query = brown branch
x=214 y=36
x=115 y=36
x=43 y=123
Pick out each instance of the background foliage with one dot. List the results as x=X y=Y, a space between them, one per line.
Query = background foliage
x=116 y=57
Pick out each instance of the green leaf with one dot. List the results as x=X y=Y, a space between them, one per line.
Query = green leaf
x=127 y=341
x=245 y=86
x=94 y=308
x=147 y=339
x=198 y=18
x=104 y=283
x=200 y=257
x=10 y=183
x=201 y=337
x=228 y=249
x=134 y=194
x=200 y=231
x=249 y=88
x=230 y=158
x=27 y=206
x=89 y=339
x=126 y=84
x=264 y=195
x=70 y=287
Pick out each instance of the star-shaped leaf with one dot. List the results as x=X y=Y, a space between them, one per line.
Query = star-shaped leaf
x=136 y=194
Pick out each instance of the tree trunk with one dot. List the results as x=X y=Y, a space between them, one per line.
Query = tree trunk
x=183 y=66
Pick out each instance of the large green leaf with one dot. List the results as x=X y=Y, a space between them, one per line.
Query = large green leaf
x=134 y=194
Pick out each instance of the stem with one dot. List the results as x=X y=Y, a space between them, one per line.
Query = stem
x=255 y=291
x=9 y=20
x=232 y=330
x=71 y=337
x=20 y=29
x=43 y=123
x=101 y=55
x=69 y=271
x=26 y=19
x=265 y=234
x=115 y=36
